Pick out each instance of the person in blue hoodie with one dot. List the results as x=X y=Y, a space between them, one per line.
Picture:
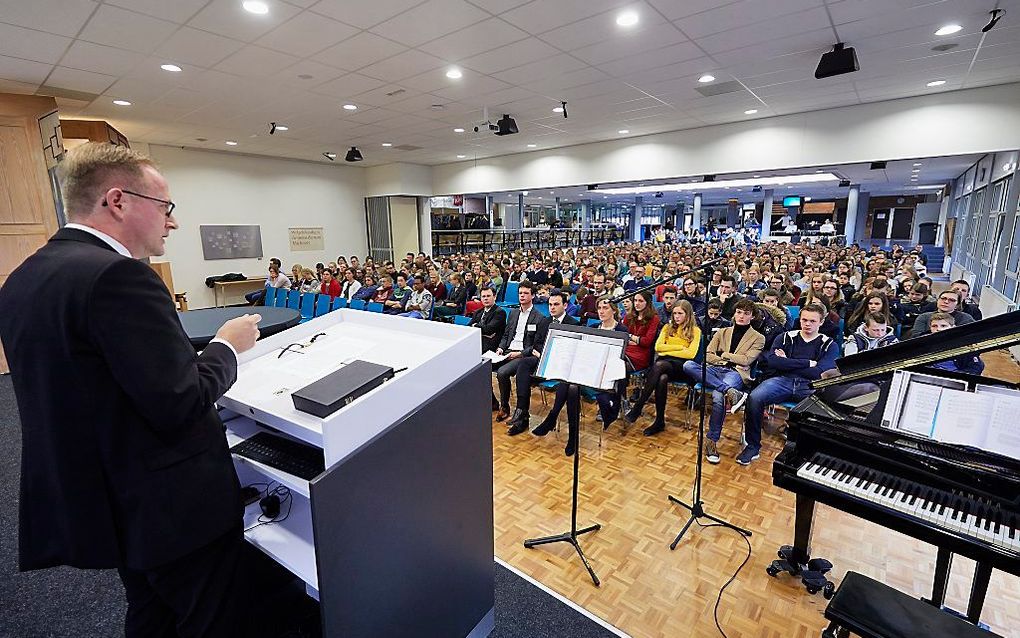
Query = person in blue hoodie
x=874 y=333
x=796 y=359
x=969 y=363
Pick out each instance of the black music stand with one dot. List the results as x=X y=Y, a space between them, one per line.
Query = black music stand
x=550 y=351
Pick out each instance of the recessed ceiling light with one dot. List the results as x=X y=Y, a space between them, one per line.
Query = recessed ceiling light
x=558 y=109
x=750 y=111
x=532 y=145
x=122 y=103
x=230 y=143
x=949 y=29
x=350 y=107
x=525 y=193
x=756 y=176
x=281 y=127
x=461 y=156
x=173 y=68
x=818 y=170
x=540 y=197
x=623 y=131
x=255 y=6
x=915 y=170
x=387 y=144
x=627 y=19
x=454 y=74
x=458 y=130
x=705 y=79
x=936 y=83
x=917 y=163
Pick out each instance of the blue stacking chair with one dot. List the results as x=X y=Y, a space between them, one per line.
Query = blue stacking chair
x=510 y=297
x=449 y=288
x=374 y=306
x=269 y=299
x=461 y=320
x=506 y=311
x=307 y=306
x=321 y=305
x=294 y=300
x=542 y=308
x=338 y=303
x=794 y=312
x=281 y=298
x=594 y=322
x=658 y=304
x=357 y=304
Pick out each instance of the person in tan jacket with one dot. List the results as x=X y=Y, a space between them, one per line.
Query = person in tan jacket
x=728 y=362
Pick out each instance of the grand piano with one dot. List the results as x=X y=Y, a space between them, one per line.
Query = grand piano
x=961 y=499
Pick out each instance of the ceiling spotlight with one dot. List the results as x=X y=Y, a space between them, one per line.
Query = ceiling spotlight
x=842 y=59
x=230 y=143
x=329 y=156
x=255 y=6
x=949 y=29
x=705 y=79
x=173 y=68
x=750 y=111
x=627 y=19
x=281 y=127
x=354 y=155
x=454 y=74
x=623 y=131
x=936 y=83
x=525 y=193
x=461 y=156
x=387 y=144
x=532 y=145
x=996 y=16
x=458 y=130
x=122 y=103
x=506 y=125
x=558 y=109
x=917 y=163
x=350 y=107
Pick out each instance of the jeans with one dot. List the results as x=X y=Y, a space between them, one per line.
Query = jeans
x=414 y=314
x=255 y=298
x=521 y=369
x=770 y=392
x=719 y=379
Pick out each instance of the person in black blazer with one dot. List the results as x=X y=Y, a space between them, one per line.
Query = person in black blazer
x=522 y=341
x=124 y=460
x=491 y=319
x=455 y=301
x=558 y=315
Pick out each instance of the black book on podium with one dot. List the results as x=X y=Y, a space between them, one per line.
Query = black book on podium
x=335 y=390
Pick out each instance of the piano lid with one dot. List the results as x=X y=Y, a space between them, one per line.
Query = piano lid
x=1000 y=331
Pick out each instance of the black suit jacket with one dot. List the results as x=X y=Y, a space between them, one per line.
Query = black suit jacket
x=534 y=333
x=567 y=320
x=124 y=460
x=491 y=325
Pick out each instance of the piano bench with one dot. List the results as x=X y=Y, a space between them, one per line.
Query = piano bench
x=871 y=609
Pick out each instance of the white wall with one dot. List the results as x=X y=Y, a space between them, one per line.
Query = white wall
x=945 y=123
x=398 y=179
x=221 y=188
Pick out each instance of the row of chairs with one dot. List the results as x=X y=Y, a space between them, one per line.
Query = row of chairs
x=311 y=304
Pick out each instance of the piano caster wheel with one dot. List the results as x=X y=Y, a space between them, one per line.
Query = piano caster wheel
x=829 y=590
x=819 y=565
x=815 y=582
x=779 y=566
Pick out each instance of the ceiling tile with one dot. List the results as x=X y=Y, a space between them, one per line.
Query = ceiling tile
x=779 y=34
x=199 y=48
x=136 y=90
x=540 y=16
x=474 y=91
x=410 y=63
x=361 y=50
x=227 y=18
x=62 y=17
x=306 y=34
x=509 y=56
x=179 y=11
x=430 y=20
x=124 y=29
x=99 y=59
x=557 y=64
x=386 y=95
x=497 y=6
x=16 y=70
x=602 y=28
x=478 y=38
x=254 y=61
x=653 y=38
x=321 y=73
x=76 y=80
x=674 y=10
x=27 y=44
x=746 y=13
x=363 y=14
x=347 y=86
x=669 y=55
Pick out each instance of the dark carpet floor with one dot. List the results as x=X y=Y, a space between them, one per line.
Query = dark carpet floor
x=72 y=602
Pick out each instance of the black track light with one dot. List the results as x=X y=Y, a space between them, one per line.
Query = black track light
x=354 y=155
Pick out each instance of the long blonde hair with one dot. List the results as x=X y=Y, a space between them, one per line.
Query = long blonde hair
x=686 y=329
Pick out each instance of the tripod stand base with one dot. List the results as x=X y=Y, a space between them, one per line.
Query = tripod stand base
x=569 y=537
x=698 y=512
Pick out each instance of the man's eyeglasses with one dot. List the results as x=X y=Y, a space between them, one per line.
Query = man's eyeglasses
x=166 y=202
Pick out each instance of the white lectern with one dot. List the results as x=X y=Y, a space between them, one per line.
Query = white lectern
x=395 y=537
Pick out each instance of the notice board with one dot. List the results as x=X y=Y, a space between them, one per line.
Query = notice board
x=231 y=242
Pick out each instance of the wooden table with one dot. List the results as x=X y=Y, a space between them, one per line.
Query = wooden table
x=220 y=288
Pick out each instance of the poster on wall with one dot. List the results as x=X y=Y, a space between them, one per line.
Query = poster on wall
x=306 y=239
x=230 y=242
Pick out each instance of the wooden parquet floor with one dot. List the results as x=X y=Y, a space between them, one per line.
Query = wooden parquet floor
x=648 y=590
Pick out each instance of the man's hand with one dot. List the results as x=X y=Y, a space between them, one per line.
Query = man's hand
x=779 y=353
x=499 y=350
x=829 y=374
x=240 y=332
x=514 y=355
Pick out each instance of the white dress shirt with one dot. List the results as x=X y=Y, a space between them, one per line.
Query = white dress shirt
x=522 y=323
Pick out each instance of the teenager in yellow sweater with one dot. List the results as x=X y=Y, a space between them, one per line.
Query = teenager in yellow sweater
x=678 y=342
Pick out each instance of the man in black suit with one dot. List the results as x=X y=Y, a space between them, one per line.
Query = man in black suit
x=124 y=461
x=491 y=319
x=521 y=342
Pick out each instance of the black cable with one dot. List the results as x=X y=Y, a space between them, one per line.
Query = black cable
x=715 y=610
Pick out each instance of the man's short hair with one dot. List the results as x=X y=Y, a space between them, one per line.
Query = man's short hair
x=920 y=289
x=876 y=318
x=88 y=167
x=564 y=297
x=273 y=261
x=671 y=289
x=486 y=290
x=770 y=292
x=729 y=278
x=816 y=308
x=961 y=281
x=715 y=304
x=942 y=316
x=746 y=305
x=526 y=284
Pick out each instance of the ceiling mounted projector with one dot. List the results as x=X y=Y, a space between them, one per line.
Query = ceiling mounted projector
x=354 y=155
x=506 y=126
x=837 y=62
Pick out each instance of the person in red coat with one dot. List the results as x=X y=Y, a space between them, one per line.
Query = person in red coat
x=643 y=326
x=329 y=285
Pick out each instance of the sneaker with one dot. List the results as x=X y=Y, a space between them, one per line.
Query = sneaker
x=737 y=399
x=711 y=452
x=747 y=455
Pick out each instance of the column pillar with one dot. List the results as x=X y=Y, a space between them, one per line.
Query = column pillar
x=696 y=224
x=635 y=220
x=852 y=201
x=514 y=219
x=585 y=214
x=766 y=216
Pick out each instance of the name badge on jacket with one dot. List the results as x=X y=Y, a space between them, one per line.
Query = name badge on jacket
x=530 y=327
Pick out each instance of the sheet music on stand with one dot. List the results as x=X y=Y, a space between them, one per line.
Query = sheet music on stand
x=586 y=356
